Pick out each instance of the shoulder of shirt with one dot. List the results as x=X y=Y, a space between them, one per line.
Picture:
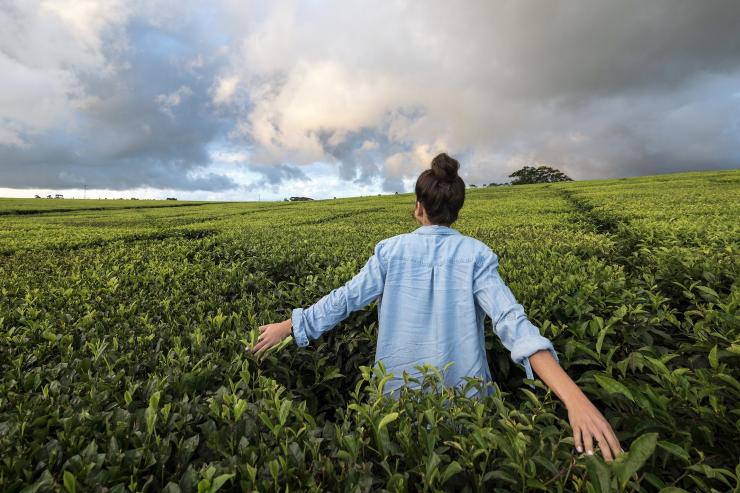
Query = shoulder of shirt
x=391 y=240
x=482 y=250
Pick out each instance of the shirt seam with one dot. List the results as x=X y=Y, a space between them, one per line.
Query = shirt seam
x=461 y=260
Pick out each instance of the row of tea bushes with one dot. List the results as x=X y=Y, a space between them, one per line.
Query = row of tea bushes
x=123 y=363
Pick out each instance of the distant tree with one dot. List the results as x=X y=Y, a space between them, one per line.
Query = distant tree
x=540 y=174
x=37 y=196
x=472 y=186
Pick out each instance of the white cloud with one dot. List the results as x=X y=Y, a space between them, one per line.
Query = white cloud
x=224 y=89
x=413 y=162
x=168 y=101
x=369 y=145
x=227 y=156
x=596 y=89
x=85 y=22
x=504 y=83
x=44 y=50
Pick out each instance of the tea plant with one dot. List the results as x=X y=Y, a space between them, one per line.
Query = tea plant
x=122 y=336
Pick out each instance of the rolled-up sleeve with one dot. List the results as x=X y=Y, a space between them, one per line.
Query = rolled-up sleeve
x=510 y=323
x=358 y=292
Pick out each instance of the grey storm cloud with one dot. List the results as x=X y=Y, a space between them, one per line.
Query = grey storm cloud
x=147 y=123
x=125 y=94
x=274 y=175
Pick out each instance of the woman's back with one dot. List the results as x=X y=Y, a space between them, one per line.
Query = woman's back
x=435 y=287
x=427 y=312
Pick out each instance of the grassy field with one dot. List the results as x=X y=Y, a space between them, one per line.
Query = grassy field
x=123 y=326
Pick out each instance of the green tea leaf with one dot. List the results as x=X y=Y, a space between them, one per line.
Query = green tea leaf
x=599 y=474
x=640 y=450
x=154 y=400
x=708 y=293
x=219 y=481
x=600 y=341
x=171 y=488
x=452 y=468
x=674 y=449
x=239 y=408
x=284 y=411
x=713 y=362
x=388 y=418
x=613 y=387
x=70 y=483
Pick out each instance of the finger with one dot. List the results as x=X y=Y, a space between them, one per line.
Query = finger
x=267 y=344
x=577 y=441
x=258 y=346
x=607 y=437
x=611 y=439
x=262 y=328
x=603 y=446
x=588 y=440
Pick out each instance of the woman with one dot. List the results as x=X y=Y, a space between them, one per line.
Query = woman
x=437 y=286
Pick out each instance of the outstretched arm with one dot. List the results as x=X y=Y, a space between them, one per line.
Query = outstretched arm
x=585 y=419
x=535 y=352
x=325 y=314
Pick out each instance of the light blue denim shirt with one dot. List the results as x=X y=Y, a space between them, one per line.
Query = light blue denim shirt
x=435 y=287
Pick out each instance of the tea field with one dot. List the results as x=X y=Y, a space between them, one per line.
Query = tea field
x=123 y=326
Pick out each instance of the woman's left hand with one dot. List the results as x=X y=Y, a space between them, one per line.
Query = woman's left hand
x=589 y=424
x=271 y=334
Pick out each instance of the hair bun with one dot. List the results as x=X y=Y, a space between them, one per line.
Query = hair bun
x=445 y=168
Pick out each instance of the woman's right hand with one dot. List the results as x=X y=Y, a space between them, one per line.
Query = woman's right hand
x=271 y=335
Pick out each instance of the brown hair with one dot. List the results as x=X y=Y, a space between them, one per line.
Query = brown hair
x=441 y=190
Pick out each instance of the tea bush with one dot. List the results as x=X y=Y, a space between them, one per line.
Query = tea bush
x=122 y=335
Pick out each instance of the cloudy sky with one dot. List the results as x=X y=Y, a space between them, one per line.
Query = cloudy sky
x=239 y=100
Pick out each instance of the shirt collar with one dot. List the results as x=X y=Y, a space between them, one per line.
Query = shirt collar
x=436 y=229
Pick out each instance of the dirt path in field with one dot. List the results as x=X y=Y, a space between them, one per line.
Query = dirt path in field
x=609 y=225
x=656 y=263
